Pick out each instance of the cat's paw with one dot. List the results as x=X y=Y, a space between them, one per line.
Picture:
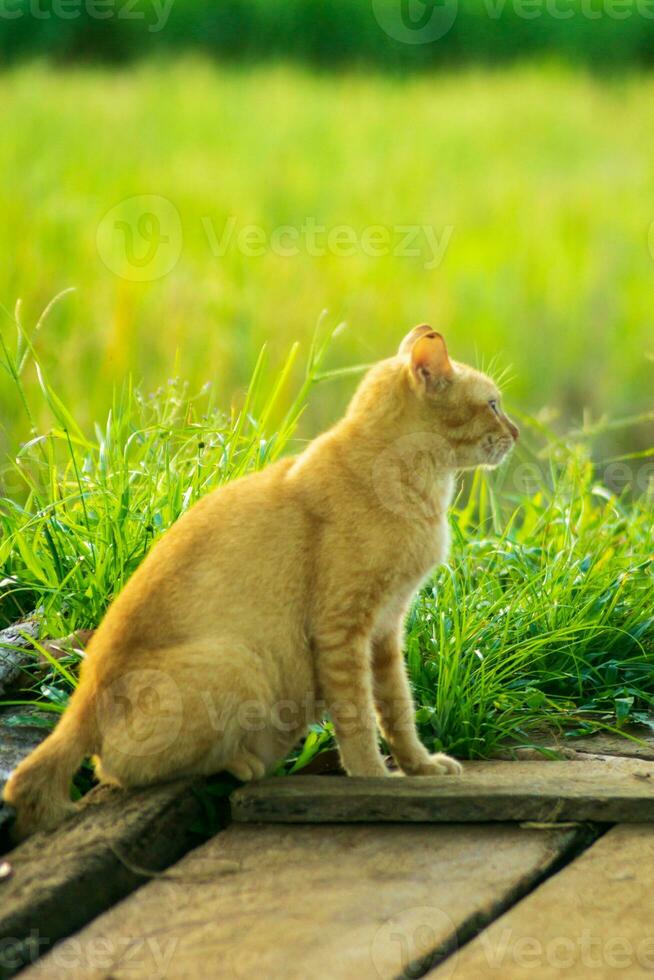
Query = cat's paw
x=246 y=767
x=438 y=764
x=368 y=770
x=371 y=773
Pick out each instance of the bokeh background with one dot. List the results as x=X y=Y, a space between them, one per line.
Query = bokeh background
x=211 y=175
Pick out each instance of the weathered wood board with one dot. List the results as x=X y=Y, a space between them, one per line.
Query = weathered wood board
x=60 y=880
x=594 y=919
x=608 y=790
x=19 y=658
x=639 y=747
x=344 y=902
x=15 y=744
x=637 y=742
x=16 y=653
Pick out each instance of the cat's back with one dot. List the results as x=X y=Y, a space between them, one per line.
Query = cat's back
x=235 y=524
x=238 y=547
x=256 y=497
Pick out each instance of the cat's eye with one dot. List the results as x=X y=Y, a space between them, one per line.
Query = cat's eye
x=494 y=405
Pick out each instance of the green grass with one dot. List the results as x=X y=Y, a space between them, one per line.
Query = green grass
x=87 y=507
x=542 y=174
x=542 y=619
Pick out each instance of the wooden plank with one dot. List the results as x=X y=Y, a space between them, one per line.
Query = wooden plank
x=344 y=902
x=59 y=881
x=20 y=661
x=594 y=919
x=607 y=744
x=610 y=790
x=16 y=653
x=16 y=742
x=637 y=742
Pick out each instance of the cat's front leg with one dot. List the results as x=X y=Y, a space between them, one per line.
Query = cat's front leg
x=345 y=677
x=396 y=712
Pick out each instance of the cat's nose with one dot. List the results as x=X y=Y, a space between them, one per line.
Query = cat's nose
x=513 y=429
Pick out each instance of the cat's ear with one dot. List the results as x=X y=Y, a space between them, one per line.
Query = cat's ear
x=412 y=336
x=430 y=362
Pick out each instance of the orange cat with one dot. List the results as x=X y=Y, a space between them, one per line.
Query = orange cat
x=280 y=596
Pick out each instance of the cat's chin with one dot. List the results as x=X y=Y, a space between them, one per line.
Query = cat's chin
x=495 y=456
x=490 y=460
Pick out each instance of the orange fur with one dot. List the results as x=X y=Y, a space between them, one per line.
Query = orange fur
x=279 y=596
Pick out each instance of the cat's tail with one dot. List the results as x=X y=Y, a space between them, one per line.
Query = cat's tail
x=39 y=788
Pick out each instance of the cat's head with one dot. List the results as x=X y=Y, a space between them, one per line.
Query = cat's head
x=459 y=405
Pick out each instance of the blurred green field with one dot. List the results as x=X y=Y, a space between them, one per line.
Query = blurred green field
x=539 y=180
